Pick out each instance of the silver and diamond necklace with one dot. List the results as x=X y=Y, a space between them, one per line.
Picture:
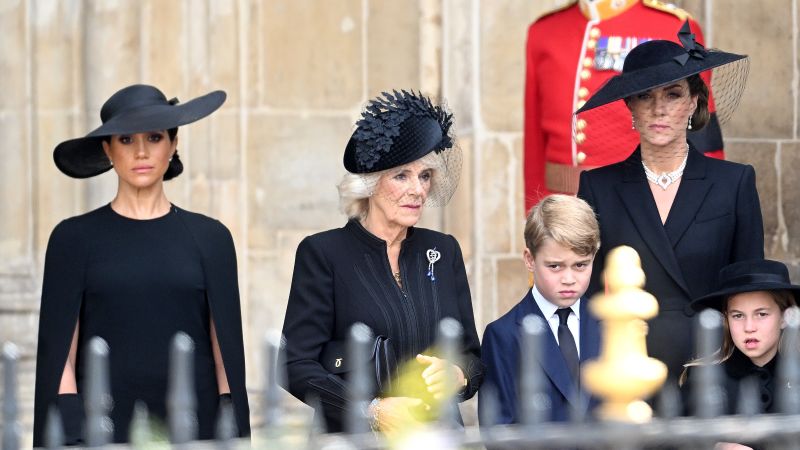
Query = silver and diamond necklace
x=666 y=178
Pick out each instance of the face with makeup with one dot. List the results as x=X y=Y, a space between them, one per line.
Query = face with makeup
x=400 y=194
x=661 y=114
x=755 y=321
x=141 y=159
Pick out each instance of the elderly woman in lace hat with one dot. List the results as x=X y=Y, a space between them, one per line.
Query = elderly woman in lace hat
x=381 y=270
x=135 y=272
x=686 y=215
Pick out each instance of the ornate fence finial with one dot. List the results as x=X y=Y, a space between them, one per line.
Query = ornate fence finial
x=449 y=343
x=181 y=401
x=98 y=402
x=534 y=400
x=624 y=374
x=273 y=379
x=789 y=364
x=361 y=384
x=11 y=426
x=53 y=430
x=708 y=395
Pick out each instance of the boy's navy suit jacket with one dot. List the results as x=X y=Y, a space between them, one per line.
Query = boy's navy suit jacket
x=500 y=353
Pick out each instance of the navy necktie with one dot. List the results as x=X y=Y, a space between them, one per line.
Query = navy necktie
x=567 y=344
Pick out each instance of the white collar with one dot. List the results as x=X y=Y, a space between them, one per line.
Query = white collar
x=549 y=309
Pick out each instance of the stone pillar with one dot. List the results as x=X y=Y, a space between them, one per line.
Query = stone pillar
x=111 y=60
x=17 y=231
x=764 y=130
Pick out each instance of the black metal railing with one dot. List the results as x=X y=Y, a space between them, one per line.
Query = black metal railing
x=707 y=425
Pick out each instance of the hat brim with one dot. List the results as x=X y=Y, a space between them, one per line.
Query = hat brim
x=84 y=157
x=627 y=84
x=717 y=299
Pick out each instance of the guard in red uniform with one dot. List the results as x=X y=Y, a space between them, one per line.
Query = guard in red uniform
x=570 y=53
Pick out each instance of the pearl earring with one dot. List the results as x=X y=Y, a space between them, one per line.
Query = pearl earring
x=633 y=123
x=690 y=123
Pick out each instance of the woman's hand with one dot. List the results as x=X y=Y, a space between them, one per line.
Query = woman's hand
x=396 y=414
x=441 y=377
x=730 y=446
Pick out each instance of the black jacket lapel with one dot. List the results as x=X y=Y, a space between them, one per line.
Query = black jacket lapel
x=640 y=206
x=691 y=194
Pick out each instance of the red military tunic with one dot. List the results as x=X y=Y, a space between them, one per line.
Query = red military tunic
x=569 y=57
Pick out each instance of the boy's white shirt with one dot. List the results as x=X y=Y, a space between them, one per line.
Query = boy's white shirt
x=549 y=311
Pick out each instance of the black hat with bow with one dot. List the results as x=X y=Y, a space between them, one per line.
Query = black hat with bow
x=660 y=62
x=134 y=109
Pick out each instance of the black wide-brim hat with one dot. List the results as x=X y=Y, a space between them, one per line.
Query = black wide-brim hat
x=134 y=109
x=658 y=63
x=747 y=276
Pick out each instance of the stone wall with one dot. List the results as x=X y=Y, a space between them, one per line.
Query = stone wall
x=297 y=73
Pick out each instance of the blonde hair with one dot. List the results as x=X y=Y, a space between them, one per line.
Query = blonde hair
x=355 y=189
x=783 y=298
x=567 y=220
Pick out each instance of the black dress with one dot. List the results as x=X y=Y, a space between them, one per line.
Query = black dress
x=343 y=276
x=136 y=283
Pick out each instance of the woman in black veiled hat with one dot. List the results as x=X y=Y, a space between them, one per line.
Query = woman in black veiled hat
x=381 y=270
x=685 y=214
x=135 y=272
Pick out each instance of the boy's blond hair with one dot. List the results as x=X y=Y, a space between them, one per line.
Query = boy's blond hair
x=567 y=220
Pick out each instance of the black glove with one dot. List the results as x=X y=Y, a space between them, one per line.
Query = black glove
x=70 y=408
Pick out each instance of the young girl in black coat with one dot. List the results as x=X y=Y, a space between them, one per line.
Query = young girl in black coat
x=752 y=297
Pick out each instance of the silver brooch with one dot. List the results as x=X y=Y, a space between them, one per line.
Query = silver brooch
x=433 y=256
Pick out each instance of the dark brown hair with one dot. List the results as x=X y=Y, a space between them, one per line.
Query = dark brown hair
x=701 y=114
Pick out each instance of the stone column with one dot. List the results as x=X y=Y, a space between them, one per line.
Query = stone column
x=111 y=60
x=17 y=231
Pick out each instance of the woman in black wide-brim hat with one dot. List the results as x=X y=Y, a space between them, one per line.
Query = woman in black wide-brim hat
x=686 y=215
x=135 y=272
x=381 y=270
x=753 y=297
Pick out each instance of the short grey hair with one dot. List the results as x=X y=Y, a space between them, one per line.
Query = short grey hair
x=355 y=189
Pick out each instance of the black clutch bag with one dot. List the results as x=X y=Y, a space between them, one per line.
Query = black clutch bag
x=335 y=360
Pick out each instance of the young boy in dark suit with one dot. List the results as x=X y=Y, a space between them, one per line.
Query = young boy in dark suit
x=562 y=237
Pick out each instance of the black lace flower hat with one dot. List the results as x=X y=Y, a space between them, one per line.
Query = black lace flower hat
x=399 y=128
